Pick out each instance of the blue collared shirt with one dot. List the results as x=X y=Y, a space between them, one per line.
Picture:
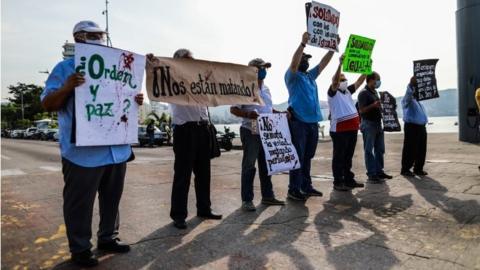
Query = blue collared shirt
x=85 y=156
x=413 y=110
x=303 y=95
x=267 y=108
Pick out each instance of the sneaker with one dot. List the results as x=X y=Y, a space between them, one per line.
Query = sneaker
x=341 y=187
x=84 y=259
x=296 y=195
x=375 y=180
x=248 y=206
x=272 y=201
x=354 y=184
x=180 y=224
x=420 y=173
x=407 y=173
x=383 y=175
x=313 y=192
x=115 y=246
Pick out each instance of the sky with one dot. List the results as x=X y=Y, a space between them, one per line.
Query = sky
x=33 y=33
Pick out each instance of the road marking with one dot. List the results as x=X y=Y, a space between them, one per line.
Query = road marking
x=11 y=172
x=51 y=168
x=5 y=157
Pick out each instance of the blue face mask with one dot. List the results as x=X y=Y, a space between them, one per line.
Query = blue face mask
x=377 y=84
x=262 y=73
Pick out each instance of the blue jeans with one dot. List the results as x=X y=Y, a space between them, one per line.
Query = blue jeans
x=305 y=140
x=253 y=151
x=373 y=145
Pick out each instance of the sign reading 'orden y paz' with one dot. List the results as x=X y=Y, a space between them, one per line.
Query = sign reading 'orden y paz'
x=198 y=82
x=358 y=55
x=424 y=71
x=280 y=154
x=322 y=25
x=105 y=109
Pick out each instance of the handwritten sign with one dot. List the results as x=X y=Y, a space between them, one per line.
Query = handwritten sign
x=280 y=154
x=198 y=82
x=358 y=55
x=424 y=71
x=389 y=112
x=105 y=109
x=322 y=25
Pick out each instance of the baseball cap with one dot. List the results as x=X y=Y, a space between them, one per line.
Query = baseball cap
x=258 y=62
x=87 y=26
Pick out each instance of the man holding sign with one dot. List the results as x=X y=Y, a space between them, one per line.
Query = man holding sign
x=305 y=109
x=88 y=169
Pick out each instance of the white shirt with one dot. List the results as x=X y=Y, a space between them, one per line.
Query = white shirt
x=183 y=113
x=267 y=108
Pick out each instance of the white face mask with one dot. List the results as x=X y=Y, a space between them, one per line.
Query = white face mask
x=343 y=85
x=95 y=41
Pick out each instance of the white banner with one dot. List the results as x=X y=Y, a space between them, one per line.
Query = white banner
x=105 y=108
x=280 y=154
x=322 y=25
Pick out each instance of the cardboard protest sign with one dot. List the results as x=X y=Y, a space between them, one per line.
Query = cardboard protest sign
x=280 y=154
x=358 y=55
x=198 y=82
x=424 y=71
x=322 y=25
x=389 y=112
x=105 y=109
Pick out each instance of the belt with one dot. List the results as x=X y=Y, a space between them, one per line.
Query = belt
x=196 y=123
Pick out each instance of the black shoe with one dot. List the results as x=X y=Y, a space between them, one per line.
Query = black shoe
x=84 y=259
x=180 y=224
x=115 y=246
x=354 y=184
x=341 y=187
x=407 y=173
x=209 y=215
x=375 y=180
x=296 y=195
x=313 y=192
x=383 y=175
x=420 y=173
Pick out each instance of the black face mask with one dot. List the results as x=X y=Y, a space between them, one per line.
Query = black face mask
x=303 y=67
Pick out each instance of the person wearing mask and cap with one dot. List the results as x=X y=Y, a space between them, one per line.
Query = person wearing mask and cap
x=344 y=124
x=87 y=169
x=191 y=138
x=252 y=144
x=415 y=132
x=372 y=130
x=305 y=109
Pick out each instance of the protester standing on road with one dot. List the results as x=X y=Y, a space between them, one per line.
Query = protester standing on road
x=371 y=128
x=344 y=126
x=415 y=132
x=252 y=144
x=87 y=169
x=305 y=109
x=191 y=138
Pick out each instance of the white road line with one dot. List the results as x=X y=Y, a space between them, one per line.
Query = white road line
x=51 y=168
x=5 y=157
x=10 y=172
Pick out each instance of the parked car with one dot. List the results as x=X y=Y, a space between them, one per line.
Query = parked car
x=143 y=139
x=31 y=133
x=56 y=136
x=48 y=134
x=17 y=133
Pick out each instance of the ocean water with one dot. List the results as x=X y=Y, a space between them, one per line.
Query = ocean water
x=436 y=125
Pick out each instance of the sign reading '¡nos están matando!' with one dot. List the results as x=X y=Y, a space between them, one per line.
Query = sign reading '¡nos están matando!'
x=105 y=108
x=201 y=83
x=358 y=55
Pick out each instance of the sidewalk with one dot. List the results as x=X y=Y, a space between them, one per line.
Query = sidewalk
x=428 y=223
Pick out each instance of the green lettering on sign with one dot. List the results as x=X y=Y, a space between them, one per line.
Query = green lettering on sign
x=358 y=55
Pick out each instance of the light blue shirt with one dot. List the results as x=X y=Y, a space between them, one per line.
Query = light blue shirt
x=85 y=156
x=413 y=110
x=267 y=108
x=303 y=95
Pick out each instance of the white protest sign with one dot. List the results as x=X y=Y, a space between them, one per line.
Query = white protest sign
x=322 y=25
x=105 y=108
x=280 y=154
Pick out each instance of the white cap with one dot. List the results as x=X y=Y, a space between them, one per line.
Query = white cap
x=87 y=26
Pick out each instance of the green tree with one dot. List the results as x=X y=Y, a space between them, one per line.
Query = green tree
x=10 y=114
x=31 y=99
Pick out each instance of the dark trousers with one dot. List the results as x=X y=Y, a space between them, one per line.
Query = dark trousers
x=305 y=140
x=373 y=146
x=81 y=186
x=191 y=148
x=253 y=151
x=414 y=147
x=343 y=149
